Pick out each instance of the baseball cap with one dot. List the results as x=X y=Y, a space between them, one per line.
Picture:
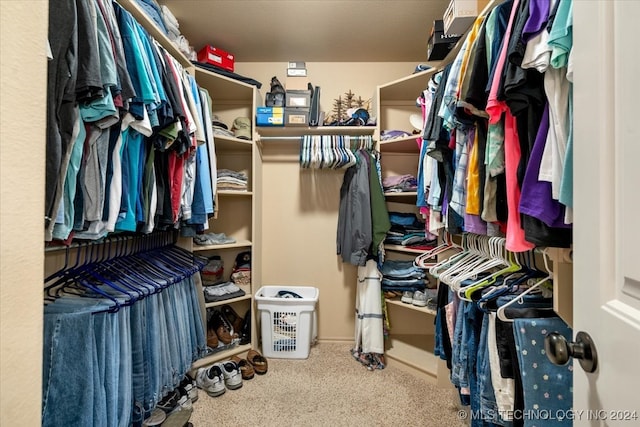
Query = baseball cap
x=216 y=122
x=242 y=128
x=416 y=121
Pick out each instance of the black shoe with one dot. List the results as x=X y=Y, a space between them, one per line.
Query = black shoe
x=245 y=332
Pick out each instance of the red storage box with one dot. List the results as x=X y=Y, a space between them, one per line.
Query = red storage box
x=216 y=56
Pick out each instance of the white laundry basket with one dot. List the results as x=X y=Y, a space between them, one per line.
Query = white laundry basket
x=287 y=323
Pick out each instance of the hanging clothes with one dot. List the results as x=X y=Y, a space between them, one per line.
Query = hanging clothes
x=369 y=332
x=128 y=138
x=118 y=338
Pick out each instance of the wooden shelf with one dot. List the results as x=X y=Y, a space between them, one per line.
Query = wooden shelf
x=402 y=197
x=395 y=195
x=294 y=131
x=238 y=244
x=225 y=89
x=400 y=248
x=234 y=193
x=410 y=306
x=229 y=143
x=407 y=144
x=246 y=296
x=220 y=355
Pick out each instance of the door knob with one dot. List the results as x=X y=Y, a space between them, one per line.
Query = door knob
x=559 y=350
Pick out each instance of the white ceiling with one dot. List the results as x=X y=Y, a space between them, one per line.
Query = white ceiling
x=311 y=30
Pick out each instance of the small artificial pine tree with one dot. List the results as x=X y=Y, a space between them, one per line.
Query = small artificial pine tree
x=338 y=109
x=349 y=99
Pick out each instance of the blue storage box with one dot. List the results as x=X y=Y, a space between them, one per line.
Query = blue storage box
x=270 y=116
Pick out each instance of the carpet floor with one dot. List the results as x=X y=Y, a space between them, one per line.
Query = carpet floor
x=330 y=388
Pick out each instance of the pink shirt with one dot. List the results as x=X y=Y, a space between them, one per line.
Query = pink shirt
x=495 y=108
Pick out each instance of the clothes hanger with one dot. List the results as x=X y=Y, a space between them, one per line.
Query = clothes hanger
x=494 y=250
x=446 y=245
x=475 y=257
x=512 y=266
x=549 y=278
x=442 y=265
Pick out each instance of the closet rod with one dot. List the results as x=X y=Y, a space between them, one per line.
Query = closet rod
x=166 y=235
x=298 y=138
x=280 y=138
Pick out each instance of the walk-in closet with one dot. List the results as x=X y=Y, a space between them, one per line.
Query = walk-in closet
x=319 y=213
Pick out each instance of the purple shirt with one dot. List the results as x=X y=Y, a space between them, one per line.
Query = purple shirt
x=536 y=199
x=538 y=17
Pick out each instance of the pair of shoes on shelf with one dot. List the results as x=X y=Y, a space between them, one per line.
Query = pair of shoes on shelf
x=258 y=362
x=241 y=325
x=216 y=379
x=417 y=298
x=222 y=328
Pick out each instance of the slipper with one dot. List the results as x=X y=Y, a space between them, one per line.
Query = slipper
x=258 y=361
x=246 y=370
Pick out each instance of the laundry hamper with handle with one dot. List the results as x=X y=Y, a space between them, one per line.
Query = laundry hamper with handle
x=287 y=317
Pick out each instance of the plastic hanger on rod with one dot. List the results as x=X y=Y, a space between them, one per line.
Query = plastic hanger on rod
x=519 y=300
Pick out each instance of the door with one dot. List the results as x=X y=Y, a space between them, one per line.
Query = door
x=607 y=208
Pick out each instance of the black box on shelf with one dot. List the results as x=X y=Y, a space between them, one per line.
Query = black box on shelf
x=439 y=44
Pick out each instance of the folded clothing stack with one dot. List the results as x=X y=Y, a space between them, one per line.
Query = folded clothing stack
x=171 y=23
x=241 y=273
x=232 y=180
x=399 y=183
x=222 y=291
x=407 y=230
x=213 y=272
x=398 y=275
x=212 y=239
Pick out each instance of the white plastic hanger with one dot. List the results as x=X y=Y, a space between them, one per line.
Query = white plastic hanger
x=500 y=313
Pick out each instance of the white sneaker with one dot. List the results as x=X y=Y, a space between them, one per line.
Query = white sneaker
x=407 y=297
x=419 y=299
x=232 y=375
x=211 y=380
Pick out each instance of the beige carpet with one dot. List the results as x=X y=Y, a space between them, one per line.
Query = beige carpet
x=330 y=388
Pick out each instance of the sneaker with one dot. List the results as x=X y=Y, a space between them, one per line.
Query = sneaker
x=419 y=299
x=211 y=380
x=407 y=297
x=189 y=386
x=232 y=375
x=169 y=402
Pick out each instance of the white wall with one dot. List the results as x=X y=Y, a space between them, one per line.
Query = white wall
x=23 y=35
